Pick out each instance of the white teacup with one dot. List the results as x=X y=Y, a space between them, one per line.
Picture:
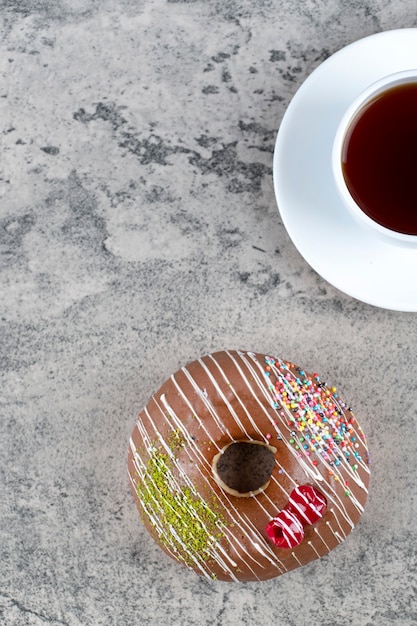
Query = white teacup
x=351 y=115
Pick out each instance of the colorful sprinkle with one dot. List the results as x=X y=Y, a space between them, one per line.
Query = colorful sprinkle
x=314 y=413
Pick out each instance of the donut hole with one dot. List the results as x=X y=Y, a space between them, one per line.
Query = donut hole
x=244 y=468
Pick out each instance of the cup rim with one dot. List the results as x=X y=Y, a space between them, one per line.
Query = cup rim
x=368 y=94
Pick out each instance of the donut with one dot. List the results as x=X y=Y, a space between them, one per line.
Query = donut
x=245 y=467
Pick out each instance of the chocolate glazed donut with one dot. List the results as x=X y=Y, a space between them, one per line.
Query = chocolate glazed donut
x=244 y=467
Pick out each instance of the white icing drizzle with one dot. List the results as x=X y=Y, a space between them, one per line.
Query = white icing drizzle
x=310 y=543
x=336 y=519
x=225 y=400
x=335 y=532
x=321 y=538
x=204 y=397
x=240 y=401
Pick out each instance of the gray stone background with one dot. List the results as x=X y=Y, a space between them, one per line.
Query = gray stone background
x=138 y=231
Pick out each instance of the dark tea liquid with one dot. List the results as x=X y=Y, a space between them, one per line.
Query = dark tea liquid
x=379 y=158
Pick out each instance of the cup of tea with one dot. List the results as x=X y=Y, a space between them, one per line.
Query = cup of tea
x=375 y=156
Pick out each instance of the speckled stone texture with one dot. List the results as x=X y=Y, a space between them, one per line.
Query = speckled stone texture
x=138 y=231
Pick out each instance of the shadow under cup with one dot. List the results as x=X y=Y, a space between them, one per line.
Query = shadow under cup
x=375 y=156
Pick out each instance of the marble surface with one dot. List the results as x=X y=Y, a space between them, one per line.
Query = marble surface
x=138 y=231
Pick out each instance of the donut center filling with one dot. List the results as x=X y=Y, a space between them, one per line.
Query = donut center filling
x=244 y=468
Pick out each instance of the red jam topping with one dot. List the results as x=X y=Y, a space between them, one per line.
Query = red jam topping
x=306 y=505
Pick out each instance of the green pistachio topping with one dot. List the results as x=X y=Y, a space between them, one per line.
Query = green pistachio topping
x=185 y=523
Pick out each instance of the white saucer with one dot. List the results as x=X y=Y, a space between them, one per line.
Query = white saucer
x=348 y=254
